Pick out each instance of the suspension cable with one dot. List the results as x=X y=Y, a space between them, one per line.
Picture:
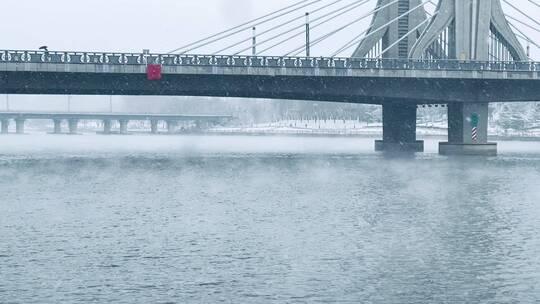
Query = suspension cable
x=277 y=26
x=523 y=35
x=360 y=38
x=408 y=34
x=320 y=39
x=340 y=11
x=246 y=25
x=531 y=1
x=523 y=23
x=521 y=12
x=326 y=36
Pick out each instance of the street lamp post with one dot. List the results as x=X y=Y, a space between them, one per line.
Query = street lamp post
x=308 y=46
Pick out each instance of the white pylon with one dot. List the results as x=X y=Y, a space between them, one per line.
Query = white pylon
x=391 y=33
x=470 y=23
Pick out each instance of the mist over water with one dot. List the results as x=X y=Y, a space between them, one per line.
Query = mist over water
x=170 y=219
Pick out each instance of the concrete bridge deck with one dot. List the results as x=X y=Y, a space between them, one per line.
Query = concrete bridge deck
x=372 y=81
x=111 y=116
x=123 y=119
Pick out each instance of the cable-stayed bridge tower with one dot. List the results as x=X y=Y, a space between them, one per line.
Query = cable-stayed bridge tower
x=395 y=28
x=477 y=30
x=466 y=30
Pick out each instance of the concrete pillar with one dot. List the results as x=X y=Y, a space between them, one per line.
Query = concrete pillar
x=19 y=125
x=199 y=126
x=73 y=125
x=123 y=126
x=184 y=126
x=5 y=126
x=154 y=126
x=468 y=130
x=57 y=126
x=204 y=126
x=399 y=129
x=171 y=126
x=107 y=126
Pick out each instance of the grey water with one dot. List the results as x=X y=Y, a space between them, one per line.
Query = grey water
x=170 y=219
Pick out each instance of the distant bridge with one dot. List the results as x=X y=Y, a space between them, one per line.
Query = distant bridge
x=123 y=119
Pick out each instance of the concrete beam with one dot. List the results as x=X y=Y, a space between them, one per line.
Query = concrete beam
x=109 y=116
x=416 y=86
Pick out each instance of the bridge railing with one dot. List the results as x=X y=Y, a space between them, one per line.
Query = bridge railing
x=16 y=56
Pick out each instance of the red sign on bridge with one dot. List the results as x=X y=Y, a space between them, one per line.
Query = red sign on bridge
x=153 y=72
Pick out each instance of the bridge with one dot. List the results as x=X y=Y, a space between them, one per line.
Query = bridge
x=465 y=54
x=123 y=119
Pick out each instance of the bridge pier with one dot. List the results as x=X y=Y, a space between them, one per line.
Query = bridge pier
x=171 y=126
x=5 y=126
x=123 y=126
x=468 y=131
x=57 y=126
x=73 y=125
x=154 y=126
x=107 y=126
x=399 y=129
x=19 y=125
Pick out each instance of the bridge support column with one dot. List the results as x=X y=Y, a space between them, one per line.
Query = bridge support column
x=154 y=126
x=468 y=131
x=107 y=126
x=5 y=126
x=123 y=126
x=73 y=125
x=197 y=128
x=57 y=126
x=19 y=125
x=171 y=126
x=399 y=129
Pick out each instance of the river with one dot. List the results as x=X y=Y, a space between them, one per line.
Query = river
x=195 y=219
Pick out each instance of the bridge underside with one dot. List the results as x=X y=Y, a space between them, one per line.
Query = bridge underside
x=368 y=90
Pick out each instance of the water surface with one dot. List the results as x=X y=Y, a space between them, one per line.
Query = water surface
x=142 y=219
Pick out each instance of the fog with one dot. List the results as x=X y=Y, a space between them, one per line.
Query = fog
x=263 y=220
x=265 y=215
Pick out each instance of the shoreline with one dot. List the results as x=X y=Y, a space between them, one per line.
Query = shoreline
x=374 y=135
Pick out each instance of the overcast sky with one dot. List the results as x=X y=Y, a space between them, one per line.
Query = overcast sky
x=162 y=25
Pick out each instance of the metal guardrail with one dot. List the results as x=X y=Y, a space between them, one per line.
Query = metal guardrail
x=13 y=56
